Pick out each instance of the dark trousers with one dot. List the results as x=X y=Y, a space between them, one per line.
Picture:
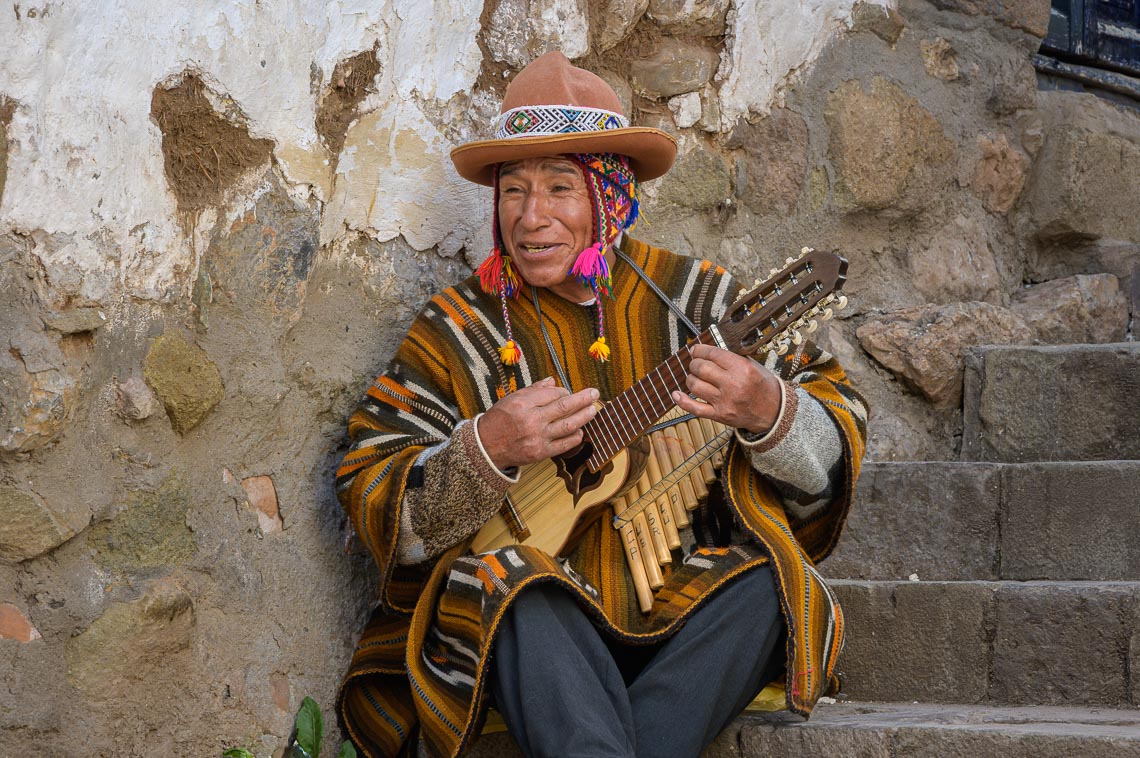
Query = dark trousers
x=565 y=691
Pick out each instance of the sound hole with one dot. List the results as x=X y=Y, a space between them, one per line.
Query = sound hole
x=575 y=474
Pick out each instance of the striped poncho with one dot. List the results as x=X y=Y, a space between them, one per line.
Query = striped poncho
x=417 y=486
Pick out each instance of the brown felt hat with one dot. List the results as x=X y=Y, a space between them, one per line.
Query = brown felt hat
x=553 y=108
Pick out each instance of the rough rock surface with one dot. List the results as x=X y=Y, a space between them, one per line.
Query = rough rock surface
x=999 y=175
x=1091 y=185
x=925 y=346
x=702 y=182
x=522 y=30
x=132 y=642
x=184 y=378
x=940 y=59
x=771 y=176
x=612 y=20
x=1052 y=403
x=888 y=150
x=1028 y=15
x=699 y=17
x=885 y=23
x=958 y=264
x=1076 y=309
x=29 y=527
x=673 y=68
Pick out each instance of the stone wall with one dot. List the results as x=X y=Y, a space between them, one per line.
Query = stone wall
x=217 y=219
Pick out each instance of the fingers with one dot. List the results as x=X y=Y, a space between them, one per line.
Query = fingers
x=690 y=405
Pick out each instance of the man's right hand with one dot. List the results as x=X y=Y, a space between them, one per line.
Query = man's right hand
x=535 y=423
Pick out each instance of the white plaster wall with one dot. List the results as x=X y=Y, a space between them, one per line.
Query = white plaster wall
x=85 y=178
x=85 y=158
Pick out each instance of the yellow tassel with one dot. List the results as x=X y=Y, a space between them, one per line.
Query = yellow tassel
x=600 y=351
x=510 y=353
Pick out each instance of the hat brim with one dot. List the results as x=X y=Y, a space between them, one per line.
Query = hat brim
x=651 y=151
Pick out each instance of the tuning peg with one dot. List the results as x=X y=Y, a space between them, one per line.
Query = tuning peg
x=756 y=283
x=789 y=261
x=797 y=338
x=742 y=293
x=812 y=326
x=827 y=314
x=781 y=348
x=842 y=302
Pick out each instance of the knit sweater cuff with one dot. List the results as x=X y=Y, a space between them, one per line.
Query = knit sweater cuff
x=802 y=451
x=459 y=489
x=784 y=418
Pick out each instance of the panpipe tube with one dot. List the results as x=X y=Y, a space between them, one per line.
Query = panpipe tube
x=712 y=429
x=657 y=466
x=636 y=568
x=689 y=450
x=657 y=534
x=663 y=511
x=699 y=441
x=648 y=555
x=672 y=452
x=672 y=536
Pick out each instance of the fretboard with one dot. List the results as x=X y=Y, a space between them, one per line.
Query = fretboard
x=627 y=416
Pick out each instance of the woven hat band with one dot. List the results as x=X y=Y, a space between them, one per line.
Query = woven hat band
x=542 y=120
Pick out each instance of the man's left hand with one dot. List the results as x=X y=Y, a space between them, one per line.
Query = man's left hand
x=737 y=391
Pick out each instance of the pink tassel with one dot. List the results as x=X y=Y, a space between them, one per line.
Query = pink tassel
x=592 y=270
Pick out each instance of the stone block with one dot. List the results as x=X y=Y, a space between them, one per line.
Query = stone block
x=874 y=730
x=957 y=265
x=612 y=22
x=885 y=23
x=29 y=527
x=915 y=640
x=1071 y=521
x=522 y=30
x=924 y=346
x=1085 y=185
x=773 y=167
x=999 y=175
x=1062 y=643
x=695 y=17
x=149 y=533
x=673 y=68
x=75 y=320
x=888 y=151
x=699 y=181
x=184 y=378
x=131 y=642
x=937 y=520
x=1028 y=15
x=1053 y=403
x=940 y=59
x=1075 y=309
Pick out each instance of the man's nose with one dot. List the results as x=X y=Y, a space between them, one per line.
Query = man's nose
x=536 y=210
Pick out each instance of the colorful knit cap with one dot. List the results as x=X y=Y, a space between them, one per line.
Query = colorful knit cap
x=614 y=199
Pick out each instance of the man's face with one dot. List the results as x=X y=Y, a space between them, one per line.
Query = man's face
x=545 y=221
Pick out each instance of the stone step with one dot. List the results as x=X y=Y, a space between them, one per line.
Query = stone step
x=1018 y=643
x=914 y=730
x=955 y=521
x=1052 y=403
x=883 y=730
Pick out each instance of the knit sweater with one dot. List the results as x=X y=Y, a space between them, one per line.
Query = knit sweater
x=417 y=485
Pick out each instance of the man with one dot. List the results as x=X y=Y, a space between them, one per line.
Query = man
x=504 y=370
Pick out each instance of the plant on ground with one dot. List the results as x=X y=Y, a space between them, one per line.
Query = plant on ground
x=305 y=742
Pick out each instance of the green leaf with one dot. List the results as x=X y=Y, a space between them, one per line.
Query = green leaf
x=237 y=752
x=310 y=727
x=346 y=750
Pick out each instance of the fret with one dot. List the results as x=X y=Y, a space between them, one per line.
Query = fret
x=608 y=431
x=626 y=427
x=644 y=413
x=655 y=392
